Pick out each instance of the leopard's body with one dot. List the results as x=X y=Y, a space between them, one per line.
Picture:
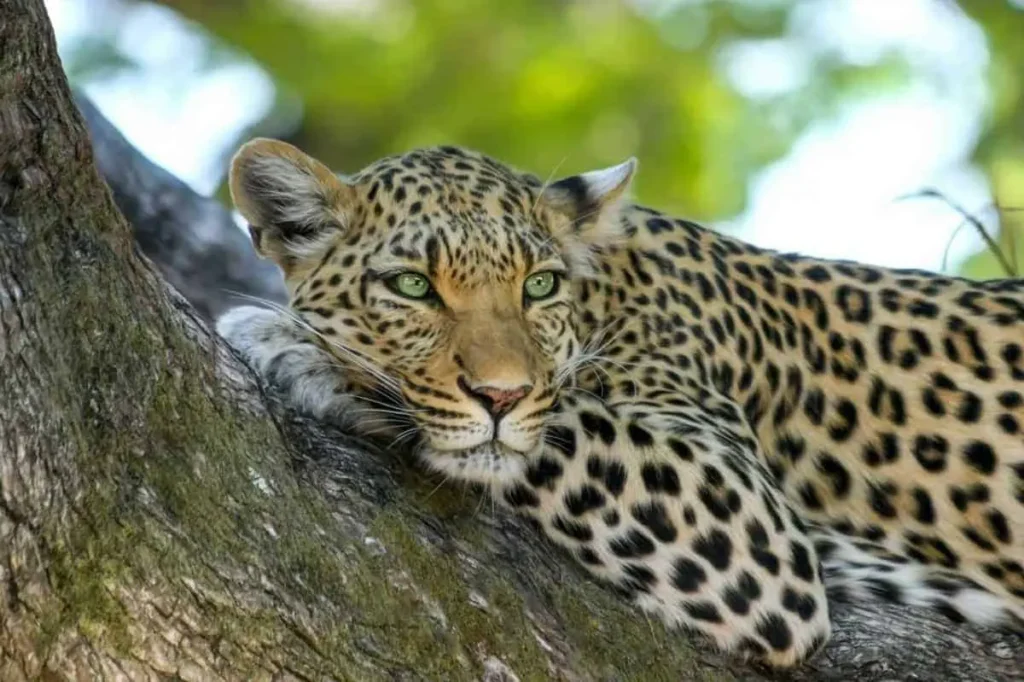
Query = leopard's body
x=722 y=432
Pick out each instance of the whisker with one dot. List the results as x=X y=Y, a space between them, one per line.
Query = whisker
x=546 y=184
x=397 y=413
x=480 y=505
x=554 y=438
x=592 y=348
x=599 y=336
x=379 y=430
x=436 y=488
x=371 y=423
x=590 y=393
x=403 y=435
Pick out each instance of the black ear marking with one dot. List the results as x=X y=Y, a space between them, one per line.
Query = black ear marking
x=583 y=198
x=578 y=199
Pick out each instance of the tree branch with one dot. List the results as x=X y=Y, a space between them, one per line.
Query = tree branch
x=192 y=239
x=162 y=516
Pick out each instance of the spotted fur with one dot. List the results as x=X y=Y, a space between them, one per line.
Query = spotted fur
x=719 y=431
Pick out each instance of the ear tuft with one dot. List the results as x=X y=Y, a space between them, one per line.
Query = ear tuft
x=589 y=205
x=291 y=201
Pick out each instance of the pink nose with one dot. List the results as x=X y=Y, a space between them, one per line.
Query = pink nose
x=497 y=401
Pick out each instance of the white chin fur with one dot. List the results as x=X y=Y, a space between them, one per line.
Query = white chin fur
x=483 y=464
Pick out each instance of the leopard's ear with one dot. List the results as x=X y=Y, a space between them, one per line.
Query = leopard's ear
x=587 y=207
x=294 y=204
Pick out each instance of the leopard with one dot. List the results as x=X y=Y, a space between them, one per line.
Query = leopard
x=734 y=439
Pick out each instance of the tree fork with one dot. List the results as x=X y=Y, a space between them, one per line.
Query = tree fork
x=161 y=515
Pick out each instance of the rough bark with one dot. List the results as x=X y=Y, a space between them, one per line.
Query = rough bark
x=163 y=517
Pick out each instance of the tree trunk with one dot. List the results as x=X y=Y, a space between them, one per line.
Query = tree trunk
x=163 y=517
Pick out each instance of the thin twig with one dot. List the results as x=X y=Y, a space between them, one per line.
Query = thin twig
x=1009 y=268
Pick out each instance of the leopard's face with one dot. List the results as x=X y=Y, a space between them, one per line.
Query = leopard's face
x=462 y=301
x=441 y=281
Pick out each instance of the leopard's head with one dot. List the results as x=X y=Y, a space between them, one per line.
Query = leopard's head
x=441 y=280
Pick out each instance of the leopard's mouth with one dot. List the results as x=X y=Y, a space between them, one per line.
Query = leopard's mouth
x=480 y=461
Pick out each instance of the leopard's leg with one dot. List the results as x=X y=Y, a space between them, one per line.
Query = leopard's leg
x=675 y=509
x=284 y=352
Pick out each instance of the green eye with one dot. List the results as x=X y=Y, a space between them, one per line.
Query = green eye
x=540 y=285
x=411 y=285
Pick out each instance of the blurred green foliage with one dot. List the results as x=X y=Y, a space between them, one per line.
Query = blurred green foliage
x=1000 y=150
x=550 y=86
x=560 y=86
